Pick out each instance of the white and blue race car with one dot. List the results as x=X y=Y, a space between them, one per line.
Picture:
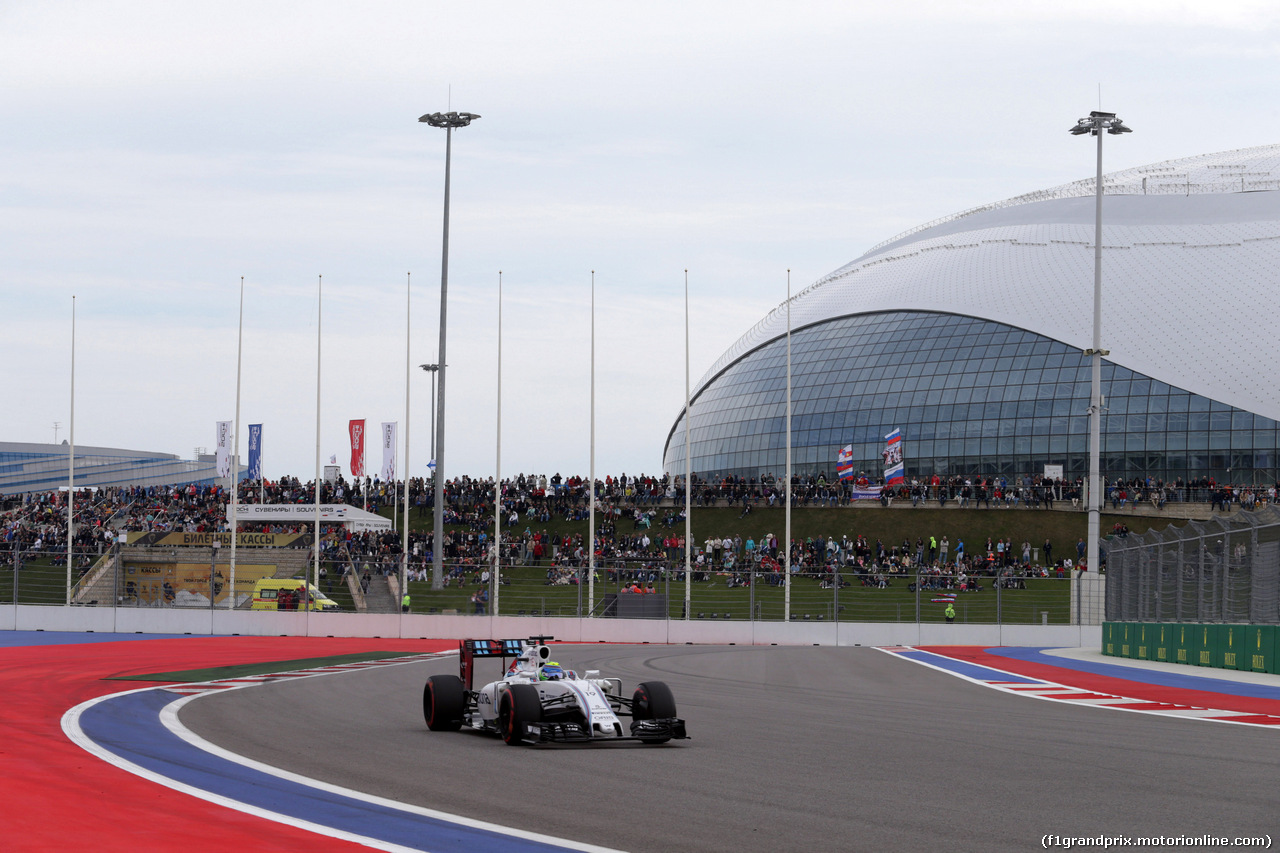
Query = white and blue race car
x=538 y=701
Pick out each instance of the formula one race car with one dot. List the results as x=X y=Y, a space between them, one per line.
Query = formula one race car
x=538 y=701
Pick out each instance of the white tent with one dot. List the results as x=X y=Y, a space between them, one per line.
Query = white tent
x=349 y=517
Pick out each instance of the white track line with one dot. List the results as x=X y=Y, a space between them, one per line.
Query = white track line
x=169 y=719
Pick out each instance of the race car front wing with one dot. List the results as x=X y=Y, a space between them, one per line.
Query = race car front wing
x=573 y=732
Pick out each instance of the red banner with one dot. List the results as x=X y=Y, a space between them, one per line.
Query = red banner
x=357 y=447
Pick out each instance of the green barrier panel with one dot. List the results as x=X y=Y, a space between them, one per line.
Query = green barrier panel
x=1219 y=635
x=1260 y=647
x=1146 y=637
x=1205 y=641
x=1275 y=651
x=1181 y=642
x=1164 y=643
x=1235 y=647
x=1109 y=638
x=1127 y=644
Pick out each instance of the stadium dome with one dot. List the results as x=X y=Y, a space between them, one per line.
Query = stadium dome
x=967 y=333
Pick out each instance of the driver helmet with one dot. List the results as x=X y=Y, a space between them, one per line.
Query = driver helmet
x=551 y=671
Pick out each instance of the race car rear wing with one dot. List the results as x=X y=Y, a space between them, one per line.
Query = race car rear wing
x=469 y=650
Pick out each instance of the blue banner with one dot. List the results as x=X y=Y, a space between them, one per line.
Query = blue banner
x=255 y=451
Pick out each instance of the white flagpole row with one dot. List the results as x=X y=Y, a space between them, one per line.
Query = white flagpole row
x=591 y=477
x=71 y=459
x=306 y=596
x=786 y=605
x=688 y=466
x=235 y=457
x=404 y=466
x=496 y=580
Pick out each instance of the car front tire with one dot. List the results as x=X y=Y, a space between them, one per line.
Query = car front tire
x=519 y=705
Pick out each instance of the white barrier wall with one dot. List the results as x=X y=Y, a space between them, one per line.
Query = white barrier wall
x=146 y=620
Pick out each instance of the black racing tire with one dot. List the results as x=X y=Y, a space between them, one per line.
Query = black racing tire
x=652 y=701
x=443 y=700
x=520 y=704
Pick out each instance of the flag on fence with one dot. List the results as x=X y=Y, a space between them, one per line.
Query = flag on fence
x=943 y=599
x=356 y=428
x=224 y=448
x=255 y=451
x=389 y=451
x=893 y=464
x=844 y=462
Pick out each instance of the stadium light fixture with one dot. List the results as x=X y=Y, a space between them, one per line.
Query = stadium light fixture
x=1096 y=124
x=449 y=121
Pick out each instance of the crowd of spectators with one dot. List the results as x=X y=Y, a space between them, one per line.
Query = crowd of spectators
x=649 y=508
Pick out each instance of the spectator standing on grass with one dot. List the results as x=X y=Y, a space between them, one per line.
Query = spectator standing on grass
x=1048 y=552
x=943 y=550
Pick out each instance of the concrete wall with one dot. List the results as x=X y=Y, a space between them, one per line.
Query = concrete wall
x=147 y=620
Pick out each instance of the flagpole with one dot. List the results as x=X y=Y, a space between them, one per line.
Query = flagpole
x=235 y=454
x=306 y=594
x=688 y=466
x=404 y=562
x=71 y=459
x=497 y=479
x=591 y=491
x=786 y=604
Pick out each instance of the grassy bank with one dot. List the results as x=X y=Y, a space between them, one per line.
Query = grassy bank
x=891 y=526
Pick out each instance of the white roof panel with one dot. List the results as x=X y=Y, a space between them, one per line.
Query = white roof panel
x=1191 y=280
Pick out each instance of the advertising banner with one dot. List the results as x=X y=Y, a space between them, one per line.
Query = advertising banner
x=188 y=584
x=356 y=428
x=389 y=451
x=893 y=462
x=224 y=448
x=255 y=451
x=206 y=540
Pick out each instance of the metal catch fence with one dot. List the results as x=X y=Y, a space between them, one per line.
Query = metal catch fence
x=1226 y=569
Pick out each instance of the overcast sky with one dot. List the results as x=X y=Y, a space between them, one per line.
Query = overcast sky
x=154 y=153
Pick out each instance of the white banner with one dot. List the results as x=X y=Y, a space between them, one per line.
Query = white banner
x=349 y=516
x=389 y=451
x=224 y=448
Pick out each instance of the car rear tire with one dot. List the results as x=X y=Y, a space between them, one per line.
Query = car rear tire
x=443 y=700
x=652 y=701
x=519 y=705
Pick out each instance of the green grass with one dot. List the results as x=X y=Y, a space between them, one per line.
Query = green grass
x=38 y=582
x=874 y=522
x=528 y=592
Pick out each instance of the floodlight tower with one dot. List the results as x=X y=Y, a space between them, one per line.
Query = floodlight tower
x=448 y=121
x=1097 y=124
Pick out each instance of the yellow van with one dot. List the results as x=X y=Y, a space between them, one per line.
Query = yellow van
x=267 y=595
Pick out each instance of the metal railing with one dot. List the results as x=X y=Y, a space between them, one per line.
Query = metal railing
x=620 y=589
x=1226 y=569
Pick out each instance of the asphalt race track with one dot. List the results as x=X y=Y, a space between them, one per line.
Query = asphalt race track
x=790 y=749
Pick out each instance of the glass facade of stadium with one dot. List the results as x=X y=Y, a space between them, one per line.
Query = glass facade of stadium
x=972 y=397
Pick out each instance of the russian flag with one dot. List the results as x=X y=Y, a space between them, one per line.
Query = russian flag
x=844 y=463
